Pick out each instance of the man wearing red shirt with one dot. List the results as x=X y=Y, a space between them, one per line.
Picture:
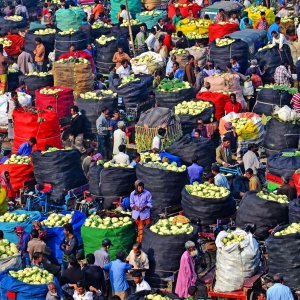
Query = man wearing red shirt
x=168 y=40
x=232 y=105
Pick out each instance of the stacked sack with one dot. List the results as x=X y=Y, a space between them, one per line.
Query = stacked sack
x=147 y=63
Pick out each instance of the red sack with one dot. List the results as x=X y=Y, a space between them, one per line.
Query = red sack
x=61 y=102
x=216 y=31
x=41 y=124
x=296 y=178
x=18 y=173
x=218 y=99
x=184 y=10
x=17 y=43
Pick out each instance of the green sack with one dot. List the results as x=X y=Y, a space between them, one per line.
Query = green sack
x=151 y=20
x=69 y=18
x=122 y=238
x=133 y=5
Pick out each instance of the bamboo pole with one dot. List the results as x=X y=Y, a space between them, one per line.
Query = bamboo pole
x=129 y=28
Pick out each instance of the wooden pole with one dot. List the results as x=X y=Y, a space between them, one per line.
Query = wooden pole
x=129 y=28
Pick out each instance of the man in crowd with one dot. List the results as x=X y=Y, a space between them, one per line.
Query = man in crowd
x=274 y=27
x=283 y=75
x=119 y=56
x=141 y=283
x=223 y=153
x=136 y=158
x=189 y=74
x=138 y=258
x=121 y=157
x=235 y=66
x=157 y=140
x=279 y=39
x=124 y=69
x=52 y=292
x=186 y=275
x=3 y=71
x=177 y=72
x=37 y=260
x=262 y=23
x=278 y=290
x=254 y=183
x=22 y=245
x=76 y=129
x=21 y=10
x=140 y=203
x=37 y=245
x=219 y=179
x=119 y=137
x=24 y=61
x=80 y=293
x=231 y=135
x=287 y=188
x=117 y=274
x=195 y=171
x=250 y=158
x=232 y=105
x=39 y=54
x=221 y=17
x=25 y=149
x=200 y=125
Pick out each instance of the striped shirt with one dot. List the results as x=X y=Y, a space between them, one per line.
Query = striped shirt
x=296 y=102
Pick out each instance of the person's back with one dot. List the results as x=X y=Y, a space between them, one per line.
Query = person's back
x=279 y=292
x=93 y=276
x=36 y=245
x=221 y=180
x=195 y=172
x=254 y=184
x=71 y=275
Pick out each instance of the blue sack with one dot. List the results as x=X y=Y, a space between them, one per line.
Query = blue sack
x=8 y=227
x=56 y=235
x=24 y=290
x=171 y=158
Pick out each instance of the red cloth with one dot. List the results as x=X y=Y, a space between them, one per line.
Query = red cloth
x=17 y=42
x=61 y=102
x=79 y=54
x=41 y=124
x=170 y=26
x=230 y=107
x=296 y=178
x=168 y=42
x=218 y=99
x=140 y=227
x=184 y=10
x=216 y=31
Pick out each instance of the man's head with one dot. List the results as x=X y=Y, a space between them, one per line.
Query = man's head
x=80 y=288
x=261 y=295
x=197 y=133
x=14 y=96
x=68 y=229
x=120 y=50
x=136 y=248
x=124 y=63
x=263 y=15
x=229 y=67
x=160 y=22
x=105 y=111
x=74 y=110
x=153 y=31
x=277 y=20
x=139 y=186
x=233 y=98
x=173 y=58
x=192 y=291
x=249 y=173
x=191 y=58
x=137 y=276
x=197 y=70
x=106 y=243
x=191 y=248
x=221 y=11
x=52 y=288
x=161 y=131
x=19 y=230
x=121 y=125
x=34 y=234
x=122 y=148
x=180 y=34
x=90 y=259
x=274 y=34
x=136 y=157
x=226 y=142
x=233 y=16
x=277 y=278
x=122 y=6
x=37 y=257
x=233 y=60
x=38 y=40
x=121 y=255
x=32 y=141
x=215 y=169
x=207 y=85
x=195 y=159
x=253 y=147
x=72 y=48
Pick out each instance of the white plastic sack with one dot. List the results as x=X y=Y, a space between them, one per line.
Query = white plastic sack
x=144 y=67
x=286 y=114
x=235 y=262
x=10 y=262
x=248 y=89
x=199 y=54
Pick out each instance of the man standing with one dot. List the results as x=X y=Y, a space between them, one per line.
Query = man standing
x=117 y=274
x=278 y=290
x=231 y=135
x=119 y=56
x=21 y=10
x=140 y=203
x=11 y=105
x=39 y=54
x=3 y=71
x=25 y=149
x=177 y=72
x=138 y=258
x=186 y=275
x=223 y=153
x=141 y=283
x=279 y=39
x=119 y=137
x=250 y=158
x=254 y=183
x=77 y=129
x=103 y=129
x=36 y=245
x=274 y=27
x=283 y=75
x=24 y=59
x=219 y=179
x=262 y=23
x=157 y=143
x=220 y=17
x=23 y=239
x=232 y=105
x=189 y=74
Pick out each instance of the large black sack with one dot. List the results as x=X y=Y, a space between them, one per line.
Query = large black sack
x=164 y=251
x=105 y=55
x=188 y=147
x=48 y=41
x=294 y=211
x=164 y=186
x=91 y=110
x=63 y=42
x=280 y=135
x=133 y=92
x=141 y=295
x=171 y=99
x=7 y=26
x=264 y=214
x=116 y=182
x=273 y=58
x=268 y=98
x=208 y=210
x=13 y=80
x=62 y=169
x=284 y=257
x=97 y=32
x=94 y=179
x=222 y=55
x=34 y=83
x=283 y=166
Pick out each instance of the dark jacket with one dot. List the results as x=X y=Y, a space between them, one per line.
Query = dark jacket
x=93 y=276
x=77 y=125
x=233 y=140
x=71 y=275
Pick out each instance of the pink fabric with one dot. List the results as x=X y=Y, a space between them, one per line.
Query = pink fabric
x=186 y=275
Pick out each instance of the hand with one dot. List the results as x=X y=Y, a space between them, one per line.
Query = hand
x=135 y=207
x=92 y=289
x=225 y=164
x=67 y=247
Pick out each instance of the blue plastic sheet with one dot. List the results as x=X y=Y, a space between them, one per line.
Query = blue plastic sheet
x=8 y=228
x=171 y=157
x=24 y=291
x=55 y=235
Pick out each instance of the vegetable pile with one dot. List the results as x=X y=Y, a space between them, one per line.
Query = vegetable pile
x=11 y=217
x=14 y=18
x=291 y=229
x=57 y=220
x=50 y=91
x=132 y=22
x=17 y=159
x=45 y=31
x=269 y=46
x=174 y=85
x=157 y=297
x=100 y=24
x=147 y=156
x=192 y=107
x=207 y=190
x=128 y=79
x=7 y=249
x=98 y=95
x=165 y=166
x=172 y=226
x=103 y=40
x=143 y=59
x=279 y=87
x=196 y=36
x=239 y=123
x=5 y=42
x=66 y=32
x=38 y=74
x=179 y=52
x=74 y=60
x=224 y=42
x=32 y=275
x=113 y=165
x=291 y=154
x=150 y=13
x=283 y=199
x=96 y=221
x=232 y=239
